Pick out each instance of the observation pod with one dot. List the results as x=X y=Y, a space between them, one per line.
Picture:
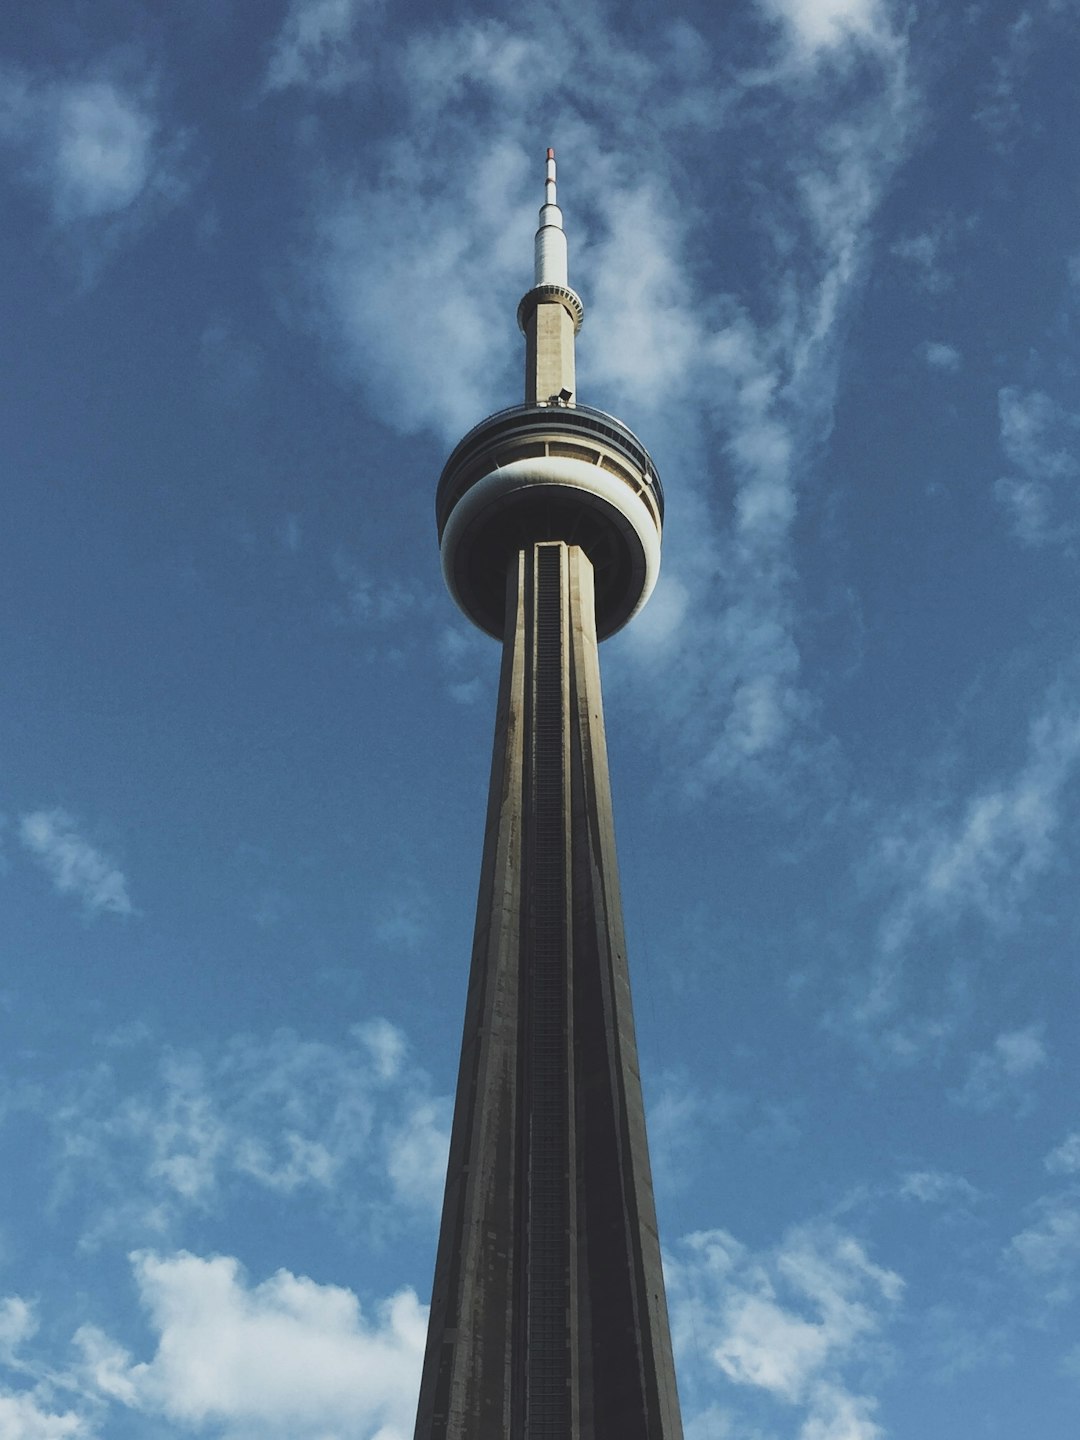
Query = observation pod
x=550 y=472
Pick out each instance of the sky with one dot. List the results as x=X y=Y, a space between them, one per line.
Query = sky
x=260 y=265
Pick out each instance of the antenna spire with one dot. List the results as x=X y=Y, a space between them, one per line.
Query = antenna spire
x=550 y=237
x=550 y=314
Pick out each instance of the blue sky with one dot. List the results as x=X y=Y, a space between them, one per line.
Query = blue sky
x=260 y=266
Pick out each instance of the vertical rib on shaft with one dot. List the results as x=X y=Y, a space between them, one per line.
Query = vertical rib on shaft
x=548 y=1318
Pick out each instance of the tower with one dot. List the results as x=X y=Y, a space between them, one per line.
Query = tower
x=548 y=1315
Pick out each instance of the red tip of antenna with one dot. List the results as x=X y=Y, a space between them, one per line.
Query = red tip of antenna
x=551 y=153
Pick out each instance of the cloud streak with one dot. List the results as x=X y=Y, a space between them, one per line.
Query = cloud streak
x=984 y=857
x=1003 y=1074
x=284 y=1115
x=1042 y=440
x=950 y=858
x=75 y=866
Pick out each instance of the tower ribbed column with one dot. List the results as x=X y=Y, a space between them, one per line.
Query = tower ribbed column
x=548 y=1317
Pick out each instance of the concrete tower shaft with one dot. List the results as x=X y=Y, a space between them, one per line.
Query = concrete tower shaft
x=548 y=1314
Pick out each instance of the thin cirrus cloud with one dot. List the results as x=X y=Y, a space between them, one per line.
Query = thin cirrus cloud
x=1065 y=1158
x=425 y=217
x=1003 y=1074
x=951 y=857
x=1048 y=1250
x=1042 y=440
x=75 y=866
x=318 y=47
x=937 y=1187
x=282 y=1114
x=984 y=856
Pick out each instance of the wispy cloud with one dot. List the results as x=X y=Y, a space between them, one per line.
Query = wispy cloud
x=1042 y=440
x=318 y=46
x=983 y=856
x=416 y=1154
x=17 y=1324
x=937 y=1187
x=940 y=356
x=403 y=921
x=1065 y=1159
x=950 y=857
x=923 y=253
x=287 y=1357
x=1048 y=1251
x=96 y=147
x=23 y=1413
x=40 y=1408
x=1002 y=1075
x=76 y=867
x=1000 y=112
x=284 y=1114
x=789 y=1322
x=684 y=1117
x=372 y=598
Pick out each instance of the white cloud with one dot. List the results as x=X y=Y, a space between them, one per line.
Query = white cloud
x=985 y=856
x=1000 y=112
x=105 y=1365
x=1042 y=439
x=923 y=253
x=789 y=1322
x=935 y=1187
x=1065 y=1160
x=287 y=1357
x=103 y=152
x=940 y=356
x=317 y=46
x=96 y=146
x=1037 y=434
x=1048 y=1251
x=679 y=1115
x=404 y=923
x=283 y=1114
x=385 y=1043
x=395 y=233
x=1002 y=1074
x=24 y=1416
x=416 y=1155
x=372 y=599
x=17 y=1324
x=76 y=867
x=816 y=25
x=31 y=1412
